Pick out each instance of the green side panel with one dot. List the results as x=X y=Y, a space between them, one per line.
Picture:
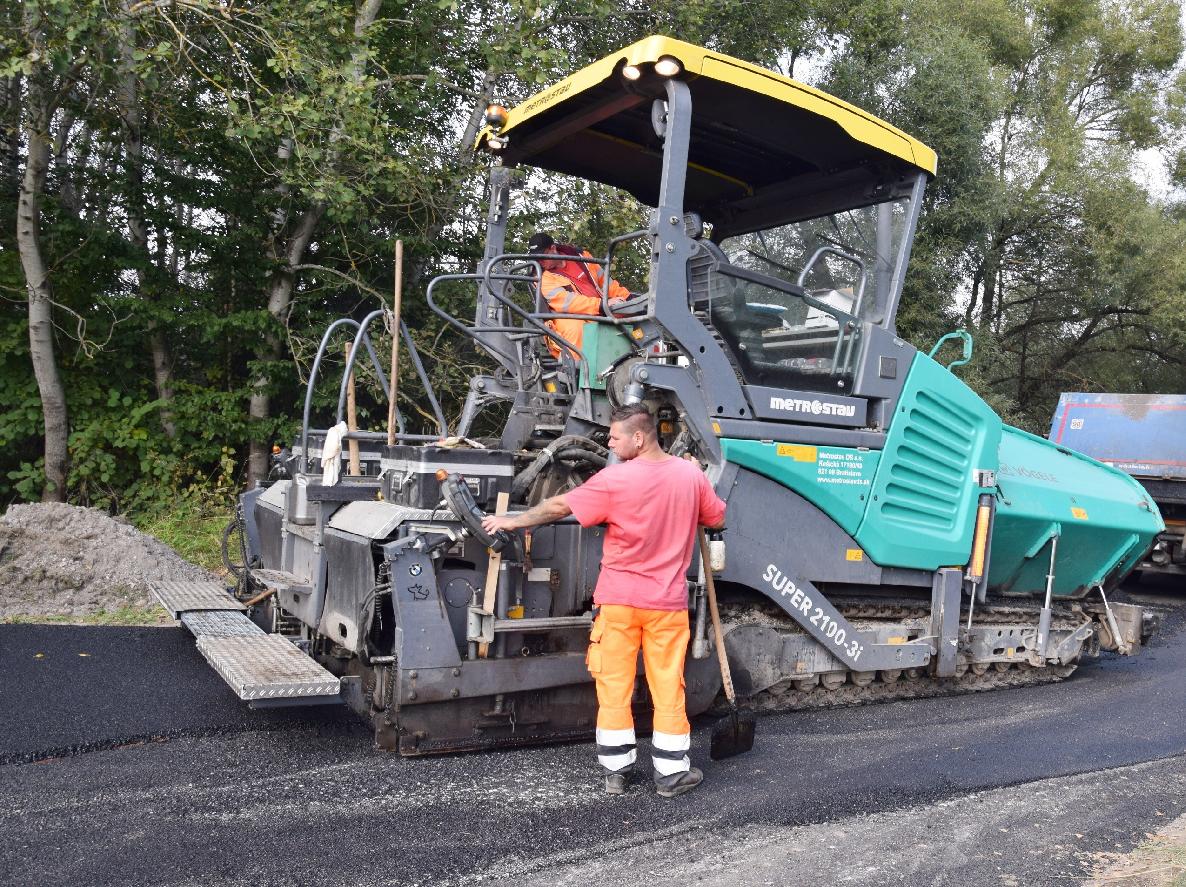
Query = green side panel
x=1102 y=516
x=923 y=509
x=835 y=479
x=603 y=344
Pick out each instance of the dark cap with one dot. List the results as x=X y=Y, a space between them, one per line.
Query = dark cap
x=539 y=242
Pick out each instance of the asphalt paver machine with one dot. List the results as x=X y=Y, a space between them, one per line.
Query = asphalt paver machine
x=887 y=535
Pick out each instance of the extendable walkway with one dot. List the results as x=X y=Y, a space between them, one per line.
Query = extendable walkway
x=263 y=669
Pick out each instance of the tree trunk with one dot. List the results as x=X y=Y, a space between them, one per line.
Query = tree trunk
x=41 y=328
x=988 y=302
x=279 y=298
x=259 y=408
x=10 y=138
x=973 y=299
x=131 y=118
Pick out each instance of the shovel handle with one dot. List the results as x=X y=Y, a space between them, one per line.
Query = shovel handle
x=710 y=583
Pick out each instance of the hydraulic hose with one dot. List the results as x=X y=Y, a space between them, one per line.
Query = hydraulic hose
x=522 y=483
x=579 y=454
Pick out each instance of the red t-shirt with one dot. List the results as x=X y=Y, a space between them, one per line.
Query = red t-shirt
x=652 y=509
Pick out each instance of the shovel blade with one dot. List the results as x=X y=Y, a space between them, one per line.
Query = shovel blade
x=732 y=734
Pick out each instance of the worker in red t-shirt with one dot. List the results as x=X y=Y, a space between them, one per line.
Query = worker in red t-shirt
x=652 y=504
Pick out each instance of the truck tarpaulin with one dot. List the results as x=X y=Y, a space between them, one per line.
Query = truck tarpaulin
x=1141 y=434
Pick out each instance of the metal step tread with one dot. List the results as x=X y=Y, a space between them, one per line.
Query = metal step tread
x=280 y=580
x=266 y=666
x=220 y=624
x=184 y=597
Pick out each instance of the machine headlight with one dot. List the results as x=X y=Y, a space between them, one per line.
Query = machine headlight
x=496 y=116
x=667 y=66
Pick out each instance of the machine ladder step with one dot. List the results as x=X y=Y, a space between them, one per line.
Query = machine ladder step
x=220 y=624
x=268 y=669
x=282 y=581
x=186 y=597
x=263 y=669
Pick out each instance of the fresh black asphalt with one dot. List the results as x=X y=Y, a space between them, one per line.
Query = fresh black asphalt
x=228 y=796
x=70 y=688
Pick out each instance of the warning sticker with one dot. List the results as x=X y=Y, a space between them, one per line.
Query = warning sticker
x=854 y=554
x=798 y=452
x=1078 y=513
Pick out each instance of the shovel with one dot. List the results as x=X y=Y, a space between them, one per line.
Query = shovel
x=734 y=733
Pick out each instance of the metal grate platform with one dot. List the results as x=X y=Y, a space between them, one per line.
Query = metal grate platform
x=184 y=597
x=267 y=666
x=220 y=624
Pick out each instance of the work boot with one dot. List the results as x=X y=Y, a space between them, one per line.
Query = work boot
x=615 y=783
x=678 y=783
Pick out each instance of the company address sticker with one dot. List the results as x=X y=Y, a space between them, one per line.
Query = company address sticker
x=845 y=467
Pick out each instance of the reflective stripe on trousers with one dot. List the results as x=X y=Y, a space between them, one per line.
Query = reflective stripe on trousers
x=616 y=749
x=669 y=752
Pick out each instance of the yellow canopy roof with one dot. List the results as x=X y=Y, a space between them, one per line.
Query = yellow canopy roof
x=758 y=138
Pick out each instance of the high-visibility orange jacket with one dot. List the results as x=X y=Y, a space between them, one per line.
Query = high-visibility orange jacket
x=576 y=289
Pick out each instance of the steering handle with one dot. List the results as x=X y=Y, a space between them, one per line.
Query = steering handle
x=460 y=499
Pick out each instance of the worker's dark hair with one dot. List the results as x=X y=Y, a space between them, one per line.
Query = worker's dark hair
x=635 y=414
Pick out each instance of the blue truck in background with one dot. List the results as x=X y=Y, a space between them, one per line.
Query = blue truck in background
x=1145 y=436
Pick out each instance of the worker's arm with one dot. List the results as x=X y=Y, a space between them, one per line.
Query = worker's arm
x=544 y=513
x=616 y=291
x=564 y=298
x=711 y=506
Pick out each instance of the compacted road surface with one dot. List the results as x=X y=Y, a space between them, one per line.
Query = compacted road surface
x=126 y=761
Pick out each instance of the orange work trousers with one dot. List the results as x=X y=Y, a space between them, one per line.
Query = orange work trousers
x=618 y=633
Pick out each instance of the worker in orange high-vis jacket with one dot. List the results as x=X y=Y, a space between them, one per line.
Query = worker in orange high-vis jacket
x=652 y=504
x=570 y=287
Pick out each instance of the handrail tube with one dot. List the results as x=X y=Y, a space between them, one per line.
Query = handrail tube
x=828 y=248
x=416 y=361
x=429 y=391
x=341 y=321
x=609 y=258
x=527 y=258
x=456 y=324
x=784 y=286
x=360 y=338
x=584 y=260
x=564 y=343
x=566 y=347
x=857 y=299
x=794 y=289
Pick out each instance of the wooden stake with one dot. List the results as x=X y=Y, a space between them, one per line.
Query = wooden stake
x=352 y=420
x=492 y=568
x=395 y=313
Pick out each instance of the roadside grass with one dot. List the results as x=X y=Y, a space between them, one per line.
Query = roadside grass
x=192 y=526
x=1158 y=862
x=125 y=615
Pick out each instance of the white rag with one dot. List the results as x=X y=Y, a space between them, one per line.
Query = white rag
x=331 y=454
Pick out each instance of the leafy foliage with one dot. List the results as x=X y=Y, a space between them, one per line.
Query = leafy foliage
x=1038 y=234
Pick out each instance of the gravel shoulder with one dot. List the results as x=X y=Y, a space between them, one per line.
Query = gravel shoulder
x=1053 y=831
x=65 y=563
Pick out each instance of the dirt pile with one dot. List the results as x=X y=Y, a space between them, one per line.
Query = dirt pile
x=66 y=561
